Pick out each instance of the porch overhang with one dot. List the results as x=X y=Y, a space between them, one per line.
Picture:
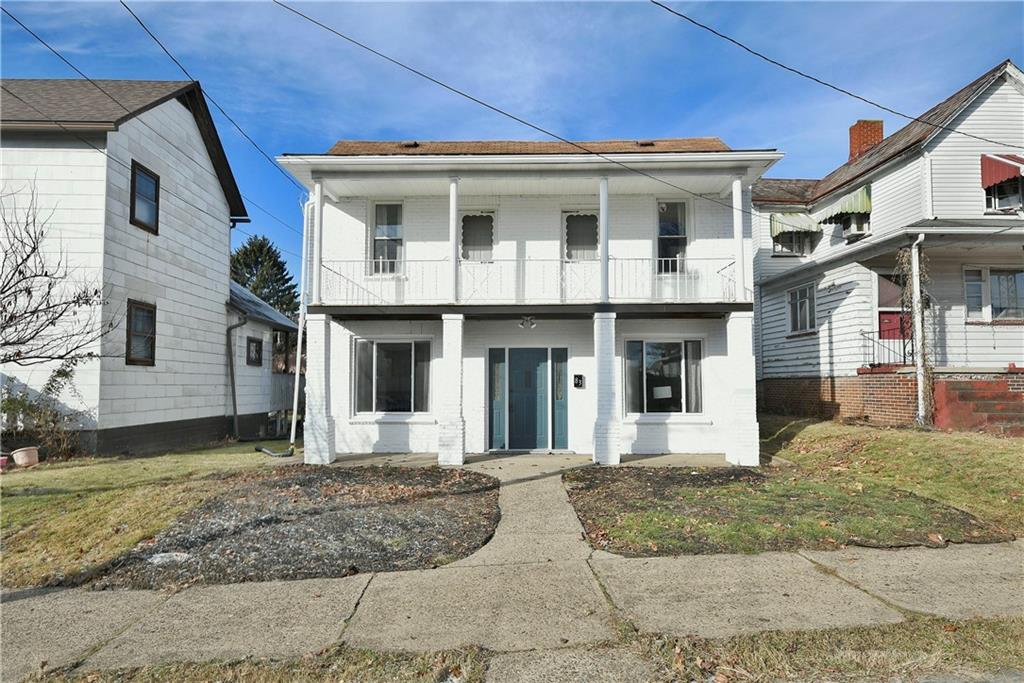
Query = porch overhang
x=539 y=312
x=963 y=233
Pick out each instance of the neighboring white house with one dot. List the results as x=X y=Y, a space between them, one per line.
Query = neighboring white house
x=140 y=200
x=830 y=316
x=526 y=296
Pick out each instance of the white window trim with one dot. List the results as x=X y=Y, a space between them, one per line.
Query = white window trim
x=986 y=290
x=375 y=415
x=682 y=416
x=493 y=213
x=1009 y=210
x=813 y=309
x=371 y=228
x=688 y=216
x=577 y=211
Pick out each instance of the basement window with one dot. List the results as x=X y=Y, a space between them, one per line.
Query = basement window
x=392 y=377
x=663 y=376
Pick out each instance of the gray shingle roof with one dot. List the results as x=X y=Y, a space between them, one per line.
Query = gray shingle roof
x=33 y=104
x=450 y=147
x=244 y=301
x=773 y=190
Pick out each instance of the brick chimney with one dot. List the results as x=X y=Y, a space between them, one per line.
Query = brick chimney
x=864 y=135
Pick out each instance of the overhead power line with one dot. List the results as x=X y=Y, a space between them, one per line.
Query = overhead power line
x=820 y=81
x=113 y=99
x=214 y=102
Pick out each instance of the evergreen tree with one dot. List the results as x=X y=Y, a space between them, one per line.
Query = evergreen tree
x=257 y=265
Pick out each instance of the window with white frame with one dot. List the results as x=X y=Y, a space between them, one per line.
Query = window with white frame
x=386 y=250
x=392 y=377
x=580 y=236
x=793 y=243
x=671 y=236
x=1005 y=196
x=801 y=308
x=478 y=236
x=664 y=376
x=993 y=293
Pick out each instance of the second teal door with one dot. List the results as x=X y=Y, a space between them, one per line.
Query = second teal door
x=527 y=399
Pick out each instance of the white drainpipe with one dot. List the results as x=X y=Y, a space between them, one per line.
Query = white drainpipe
x=915 y=268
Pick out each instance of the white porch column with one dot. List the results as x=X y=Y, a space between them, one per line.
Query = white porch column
x=319 y=423
x=453 y=234
x=602 y=230
x=318 y=238
x=606 y=426
x=737 y=236
x=743 y=447
x=451 y=427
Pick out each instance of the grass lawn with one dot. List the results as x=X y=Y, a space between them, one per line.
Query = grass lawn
x=65 y=521
x=852 y=485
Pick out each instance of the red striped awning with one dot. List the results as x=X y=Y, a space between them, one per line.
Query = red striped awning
x=995 y=168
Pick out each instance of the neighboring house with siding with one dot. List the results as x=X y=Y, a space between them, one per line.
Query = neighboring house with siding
x=834 y=334
x=524 y=296
x=140 y=200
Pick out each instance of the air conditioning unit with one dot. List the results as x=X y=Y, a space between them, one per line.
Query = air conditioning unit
x=856 y=226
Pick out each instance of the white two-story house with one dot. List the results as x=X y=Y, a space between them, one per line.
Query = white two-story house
x=139 y=200
x=529 y=296
x=835 y=332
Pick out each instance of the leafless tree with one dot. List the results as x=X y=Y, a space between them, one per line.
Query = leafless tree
x=46 y=312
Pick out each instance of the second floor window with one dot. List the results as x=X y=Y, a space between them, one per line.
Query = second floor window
x=387 y=238
x=144 y=209
x=801 y=309
x=478 y=237
x=1004 y=196
x=580 y=236
x=792 y=244
x=671 y=236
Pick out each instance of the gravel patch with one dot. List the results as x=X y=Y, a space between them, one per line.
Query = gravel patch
x=316 y=522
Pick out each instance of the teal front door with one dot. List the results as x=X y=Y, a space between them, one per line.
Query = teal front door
x=527 y=399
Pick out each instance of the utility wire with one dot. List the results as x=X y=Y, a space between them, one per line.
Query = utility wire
x=113 y=99
x=819 y=81
x=214 y=102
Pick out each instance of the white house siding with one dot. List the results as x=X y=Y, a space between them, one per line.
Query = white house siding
x=998 y=114
x=69 y=179
x=259 y=389
x=951 y=341
x=711 y=432
x=844 y=305
x=183 y=271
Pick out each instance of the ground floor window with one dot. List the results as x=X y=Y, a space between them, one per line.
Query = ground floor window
x=801 y=308
x=392 y=377
x=664 y=376
x=994 y=293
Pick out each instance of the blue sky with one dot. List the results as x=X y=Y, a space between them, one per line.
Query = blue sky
x=584 y=70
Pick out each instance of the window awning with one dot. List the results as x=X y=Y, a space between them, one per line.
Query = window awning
x=855 y=202
x=997 y=168
x=792 y=222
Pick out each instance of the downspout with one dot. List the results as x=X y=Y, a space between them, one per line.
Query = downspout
x=302 y=323
x=915 y=269
x=231 y=370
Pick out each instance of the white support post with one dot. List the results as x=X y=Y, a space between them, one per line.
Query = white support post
x=737 y=237
x=602 y=230
x=607 y=448
x=318 y=239
x=915 y=270
x=453 y=234
x=451 y=426
x=319 y=444
x=302 y=319
x=743 y=446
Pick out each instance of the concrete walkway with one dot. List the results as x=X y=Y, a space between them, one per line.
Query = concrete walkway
x=536 y=594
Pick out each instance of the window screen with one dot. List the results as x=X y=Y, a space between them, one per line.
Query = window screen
x=580 y=237
x=478 y=237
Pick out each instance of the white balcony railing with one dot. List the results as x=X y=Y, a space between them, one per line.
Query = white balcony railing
x=526 y=281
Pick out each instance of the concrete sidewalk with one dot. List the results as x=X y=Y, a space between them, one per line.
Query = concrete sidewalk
x=535 y=591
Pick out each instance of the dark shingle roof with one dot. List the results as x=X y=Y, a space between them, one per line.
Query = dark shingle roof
x=783 y=190
x=773 y=190
x=443 y=147
x=76 y=105
x=255 y=308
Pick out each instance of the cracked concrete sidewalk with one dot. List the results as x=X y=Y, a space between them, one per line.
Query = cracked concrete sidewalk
x=536 y=594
